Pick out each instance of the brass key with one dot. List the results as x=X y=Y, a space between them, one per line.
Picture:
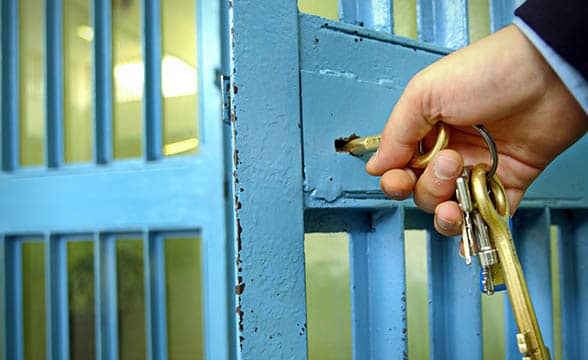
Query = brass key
x=495 y=213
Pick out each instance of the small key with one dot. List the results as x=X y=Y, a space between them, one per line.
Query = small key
x=495 y=213
x=486 y=253
x=464 y=199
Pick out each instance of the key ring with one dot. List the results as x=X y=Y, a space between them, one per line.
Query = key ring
x=492 y=147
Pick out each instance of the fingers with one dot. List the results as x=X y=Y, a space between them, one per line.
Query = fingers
x=398 y=184
x=437 y=183
x=448 y=218
x=406 y=126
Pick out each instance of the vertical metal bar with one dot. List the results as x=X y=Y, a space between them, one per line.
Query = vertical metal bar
x=573 y=280
x=9 y=75
x=57 y=300
x=455 y=310
x=151 y=26
x=387 y=302
x=102 y=76
x=154 y=260
x=13 y=312
x=501 y=13
x=372 y=14
x=270 y=295
x=443 y=22
x=3 y=294
x=533 y=242
x=213 y=46
x=359 y=284
x=54 y=82
x=106 y=301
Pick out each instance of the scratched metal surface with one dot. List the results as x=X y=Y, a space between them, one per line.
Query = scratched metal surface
x=267 y=209
x=351 y=78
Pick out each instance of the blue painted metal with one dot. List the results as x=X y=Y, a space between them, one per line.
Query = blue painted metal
x=455 y=314
x=102 y=80
x=443 y=22
x=573 y=280
x=265 y=114
x=501 y=13
x=12 y=324
x=152 y=114
x=217 y=245
x=9 y=95
x=143 y=195
x=154 y=269
x=105 y=296
x=533 y=242
x=54 y=83
x=351 y=78
x=371 y=14
x=57 y=307
x=378 y=288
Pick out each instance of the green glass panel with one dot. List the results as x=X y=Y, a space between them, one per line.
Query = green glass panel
x=33 y=297
x=131 y=300
x=479 y=19
x=328 y=300
x=128 y=79
x=80 y=278
x=325 y=8
x=32 y=83
x=405 y=23
x=77 y=80
x=179 y=79
x=183 y=276
x=417 y=298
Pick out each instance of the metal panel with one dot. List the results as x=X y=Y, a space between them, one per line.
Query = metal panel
x=265 y=114
x=378 y=288
x=371 y=14
x=443 y=22
x=533 y=243
x=455 y=307
x=573 y=280
x=170 y=194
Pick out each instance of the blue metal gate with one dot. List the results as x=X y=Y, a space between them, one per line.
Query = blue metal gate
x=83 y=233
x=298 y=82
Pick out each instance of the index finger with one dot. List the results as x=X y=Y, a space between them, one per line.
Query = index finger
x=406 y=126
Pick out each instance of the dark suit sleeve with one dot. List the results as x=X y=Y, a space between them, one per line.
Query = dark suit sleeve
x=563 y=25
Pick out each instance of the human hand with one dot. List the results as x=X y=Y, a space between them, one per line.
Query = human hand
x=501 y=82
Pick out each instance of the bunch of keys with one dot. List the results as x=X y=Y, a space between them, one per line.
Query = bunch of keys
x=485 y=233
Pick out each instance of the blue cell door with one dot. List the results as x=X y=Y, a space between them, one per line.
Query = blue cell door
x=112 y=221
x=300 y=81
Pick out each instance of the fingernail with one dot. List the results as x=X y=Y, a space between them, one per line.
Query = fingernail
x=445 y=225
x=372 y=161
x=446 y=167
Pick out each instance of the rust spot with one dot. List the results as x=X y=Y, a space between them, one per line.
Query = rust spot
x=235 y=89
x=240 y=288
x=233 y=117
x=230 y=4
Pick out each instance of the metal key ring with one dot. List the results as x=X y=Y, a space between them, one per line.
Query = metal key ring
x=492 y=147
